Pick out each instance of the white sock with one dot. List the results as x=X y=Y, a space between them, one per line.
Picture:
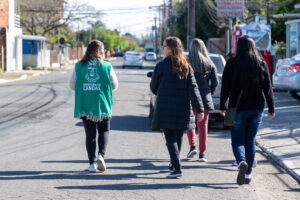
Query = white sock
x=248 y=176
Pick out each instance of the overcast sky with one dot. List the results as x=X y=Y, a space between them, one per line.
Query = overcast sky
x=137 y=21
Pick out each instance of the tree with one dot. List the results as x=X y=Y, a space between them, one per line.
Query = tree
x=207 y=21
x=279 y=28
x=47 y=17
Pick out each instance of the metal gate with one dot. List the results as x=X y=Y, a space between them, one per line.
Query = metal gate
x=2 y=49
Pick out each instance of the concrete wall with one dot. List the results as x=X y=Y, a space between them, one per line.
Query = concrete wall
x=30 y=60
x=41 y=60
x=12 y=49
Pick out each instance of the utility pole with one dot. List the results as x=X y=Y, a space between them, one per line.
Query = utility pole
x=164 y=22
x=191 y=32
x=90 y=35
x=156 y=38
x=32 y=26
x=229 y=36
x=268 y=11
x=171 y=32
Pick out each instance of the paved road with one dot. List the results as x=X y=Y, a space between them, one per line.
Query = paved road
x=43 y=154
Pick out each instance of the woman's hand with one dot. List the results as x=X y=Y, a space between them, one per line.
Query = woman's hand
x=223 y=112
x=271 y=115
x=199 y=117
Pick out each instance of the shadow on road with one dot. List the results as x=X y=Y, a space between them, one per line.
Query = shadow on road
x=131 y=123
x=128 y=123
x=141 y=186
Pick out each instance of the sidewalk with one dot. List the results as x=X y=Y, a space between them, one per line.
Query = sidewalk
x=13 y=76
x=280 y=137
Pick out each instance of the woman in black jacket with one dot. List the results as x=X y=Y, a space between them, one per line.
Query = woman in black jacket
x=206 y=76
x=246 y=77
x=174 y=84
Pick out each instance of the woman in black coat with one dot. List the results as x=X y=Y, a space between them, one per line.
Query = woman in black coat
x=246 y=82
x=174 y=84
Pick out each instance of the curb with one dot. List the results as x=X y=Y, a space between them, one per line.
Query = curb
x=23 y=77
x=279 y=161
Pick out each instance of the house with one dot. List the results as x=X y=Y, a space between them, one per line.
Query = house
x=10 y=45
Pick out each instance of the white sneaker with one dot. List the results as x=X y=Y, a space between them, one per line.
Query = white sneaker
x=101 y=163
x=93 y=168
x=202 y=158
x=235 y=163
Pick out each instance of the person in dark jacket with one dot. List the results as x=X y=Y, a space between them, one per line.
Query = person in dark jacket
x=246 y=76
x=174 y=84
x=206 y=76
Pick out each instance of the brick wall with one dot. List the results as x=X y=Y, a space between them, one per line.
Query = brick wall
x=3 y=13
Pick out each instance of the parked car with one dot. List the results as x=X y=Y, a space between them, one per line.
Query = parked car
x=150 y=56
x=118 y=54
x=132 y=58
x=219 y=62
x=287 y=75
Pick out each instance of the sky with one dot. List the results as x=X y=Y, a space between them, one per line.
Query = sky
x=137 y=21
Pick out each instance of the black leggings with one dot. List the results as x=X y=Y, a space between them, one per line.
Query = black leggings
x=173 y=142
x=91 y=132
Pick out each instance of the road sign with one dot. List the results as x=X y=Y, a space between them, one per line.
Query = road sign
x=230 y=8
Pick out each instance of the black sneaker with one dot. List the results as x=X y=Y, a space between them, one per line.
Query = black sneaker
x=192 y=152
x=175 y=174
x=243 y=167
x=171 y=167
x=202 y=158
x=247 y=180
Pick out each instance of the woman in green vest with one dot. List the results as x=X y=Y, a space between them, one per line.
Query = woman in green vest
x=93 y=80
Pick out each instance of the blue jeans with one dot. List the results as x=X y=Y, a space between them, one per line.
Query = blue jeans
x=243 y=136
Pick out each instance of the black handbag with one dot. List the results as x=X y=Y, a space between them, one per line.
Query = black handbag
x=229 y=119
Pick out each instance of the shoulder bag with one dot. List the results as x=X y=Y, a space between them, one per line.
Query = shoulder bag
x=229 y=119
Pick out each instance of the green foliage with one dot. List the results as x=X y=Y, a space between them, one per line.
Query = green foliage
x=110 y=39
x=207 y=21
x=281 y=51
x=130 y=44
x=279 y=28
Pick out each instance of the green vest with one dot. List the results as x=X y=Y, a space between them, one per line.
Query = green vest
x=93 y=91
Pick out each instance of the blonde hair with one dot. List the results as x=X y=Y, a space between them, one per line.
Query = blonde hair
x=198 y=56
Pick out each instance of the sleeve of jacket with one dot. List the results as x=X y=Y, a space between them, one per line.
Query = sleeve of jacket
x=154 y=84
x=194 y=93
x=213 y=78
x=225 y=85
x=268 y=90
x=72 y=80
x=113 y=79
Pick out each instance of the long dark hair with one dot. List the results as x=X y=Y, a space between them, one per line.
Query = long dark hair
x=94 y=50
x=249 y=62
x=180 y=65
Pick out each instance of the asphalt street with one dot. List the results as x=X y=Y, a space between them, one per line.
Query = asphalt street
x=43 y=156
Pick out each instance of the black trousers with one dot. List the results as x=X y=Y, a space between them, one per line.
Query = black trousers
x=91 y=132
x=173 y=142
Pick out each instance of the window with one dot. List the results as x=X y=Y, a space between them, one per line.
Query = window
x=293 y=39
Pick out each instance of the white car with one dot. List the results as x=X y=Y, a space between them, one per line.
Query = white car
x=219 y=62
x=132 y=58
x=150 y=56
x=287 y=75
